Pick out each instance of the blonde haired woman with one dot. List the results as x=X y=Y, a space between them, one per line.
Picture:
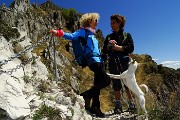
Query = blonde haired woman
x=88 y=23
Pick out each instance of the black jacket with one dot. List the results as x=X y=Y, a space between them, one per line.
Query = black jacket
x=127 y=44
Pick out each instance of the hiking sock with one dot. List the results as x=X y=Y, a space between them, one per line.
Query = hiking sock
x=118 y=107
x=117 y=104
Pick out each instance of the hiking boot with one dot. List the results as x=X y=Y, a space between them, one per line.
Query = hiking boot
x=117 y=110
x=87 y=101
x=131 y=107
x=97 y=112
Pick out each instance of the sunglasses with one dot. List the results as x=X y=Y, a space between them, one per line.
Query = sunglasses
x=96 y=20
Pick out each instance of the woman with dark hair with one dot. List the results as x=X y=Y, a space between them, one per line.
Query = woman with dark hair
x=118 y=45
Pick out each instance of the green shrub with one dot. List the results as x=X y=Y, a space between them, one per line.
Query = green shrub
x=67 y=13
x=26 y=78
x=48 y=112
x=3 y=113
x=7 y=31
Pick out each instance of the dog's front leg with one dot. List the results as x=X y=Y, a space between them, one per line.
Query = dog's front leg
x=114 y=76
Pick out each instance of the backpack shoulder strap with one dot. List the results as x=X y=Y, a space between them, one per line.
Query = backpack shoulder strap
x=109 y=37
x=86 y=34
x=125 y=35
x=83 y=40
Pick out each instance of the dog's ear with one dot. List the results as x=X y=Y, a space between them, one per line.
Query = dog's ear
x=133 y=61
x=130 y=61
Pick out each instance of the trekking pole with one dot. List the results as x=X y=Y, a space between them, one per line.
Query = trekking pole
x=54 y=45
x=55 y=64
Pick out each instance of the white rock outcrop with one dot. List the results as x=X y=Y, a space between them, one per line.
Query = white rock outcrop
x=12 y=99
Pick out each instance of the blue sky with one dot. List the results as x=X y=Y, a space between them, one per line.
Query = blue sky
x=153 y=24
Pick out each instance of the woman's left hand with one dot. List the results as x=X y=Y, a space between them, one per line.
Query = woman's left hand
x=112 y=42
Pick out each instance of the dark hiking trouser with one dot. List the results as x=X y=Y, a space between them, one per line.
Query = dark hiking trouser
x=101 y=80
x=118 y=65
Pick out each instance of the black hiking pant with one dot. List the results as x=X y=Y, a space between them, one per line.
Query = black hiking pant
x=117 y=65
x=101 y=80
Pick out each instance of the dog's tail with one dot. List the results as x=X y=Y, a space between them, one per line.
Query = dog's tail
x=146 y=87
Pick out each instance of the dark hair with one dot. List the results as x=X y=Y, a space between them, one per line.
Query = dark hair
x=120 y=19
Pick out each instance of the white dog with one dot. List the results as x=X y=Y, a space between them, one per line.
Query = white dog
x=128 y=78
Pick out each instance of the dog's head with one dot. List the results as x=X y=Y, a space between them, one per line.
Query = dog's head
x=132 y=66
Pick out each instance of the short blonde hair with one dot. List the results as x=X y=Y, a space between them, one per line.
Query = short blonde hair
x=87 y=18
